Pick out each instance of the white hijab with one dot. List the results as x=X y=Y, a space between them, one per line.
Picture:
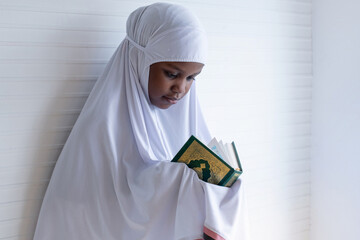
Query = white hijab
x=114 y=178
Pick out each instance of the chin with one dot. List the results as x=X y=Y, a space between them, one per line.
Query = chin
x=162 y=106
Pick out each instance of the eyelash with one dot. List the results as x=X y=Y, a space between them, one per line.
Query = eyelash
x=170 y=75
x=173 y=76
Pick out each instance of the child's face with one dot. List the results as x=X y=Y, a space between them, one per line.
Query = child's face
x=170 y=81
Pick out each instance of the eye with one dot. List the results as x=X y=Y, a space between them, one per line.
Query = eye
x=190 y=78
x=170 y=75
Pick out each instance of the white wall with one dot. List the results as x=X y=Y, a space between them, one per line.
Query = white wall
x=336 y=121
x=255 y=89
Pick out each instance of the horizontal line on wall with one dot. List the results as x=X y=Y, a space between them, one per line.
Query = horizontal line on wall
x=262 y=55
x=21 y=201
x=305 y=189
x=254 y=192
x=53 y=61
x=40 y=180
x=23 y=114
x=61 y=28
x=299 y=202
x=22 y=185
x=299 y=77
x=268 y=39
x=295 y=93
x=304 y=2
x=269 y=164
x=295 y=213
x=292 y=215
x=113 y=45
x=48 y=78
x=51 y=146
x=31 y=157
x=17 y=236
x=77 y=111
x=68 y=128
x=21 y=236
x=272 y=75
x=121 y=30
x=274 y=179
x=304 y=231
x=257 y=154
x=298 y=1
x=17 y=218
x=263 y=162
x=305 y=221
x=254 y=196
x=301 y=190
x=263 y=50
x=41 y=114
x=280 y=140
x=260 y=62
x=275 y=63
x=21 y=173
x=31 y=167
x=277 y=50
x=284 y=166
x=32 y=130
x=277 y=66
x=265 y=22
x=240 y=5
x=257 y=157
x=254 y=126
x=50 y=9
x=58 y=44
x=261 y=22
x=271 y=89
x=36 y=183
x=8 y=98
x=32 y=152
x=276 y=141
x=302 y=166
x=76 y=12
x=303 y=218
x=43 y=147
x=254 y=35
x=124 y=15
x=59 y=140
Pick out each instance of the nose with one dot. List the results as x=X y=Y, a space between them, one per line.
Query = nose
x=179 y=86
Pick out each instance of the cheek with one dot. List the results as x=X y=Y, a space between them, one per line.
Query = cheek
x=188 y=86
x=158 y=88
x=162 y=86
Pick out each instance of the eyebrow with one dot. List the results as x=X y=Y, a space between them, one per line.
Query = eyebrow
x=180 y=70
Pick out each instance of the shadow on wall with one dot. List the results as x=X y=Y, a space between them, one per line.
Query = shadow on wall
x=70 y=62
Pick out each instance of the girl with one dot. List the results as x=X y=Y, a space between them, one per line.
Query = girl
x=114 y=178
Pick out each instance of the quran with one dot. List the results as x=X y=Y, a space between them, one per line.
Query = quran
x=216 y=163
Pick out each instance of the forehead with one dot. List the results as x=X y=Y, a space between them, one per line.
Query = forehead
x=182 y=67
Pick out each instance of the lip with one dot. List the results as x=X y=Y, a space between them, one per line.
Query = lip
x=171 y=100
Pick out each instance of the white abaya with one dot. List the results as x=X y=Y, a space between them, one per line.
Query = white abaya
x=114 y=179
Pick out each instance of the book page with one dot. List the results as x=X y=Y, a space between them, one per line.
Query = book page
x=223 y=148
x=215 y=147
x=232 y=157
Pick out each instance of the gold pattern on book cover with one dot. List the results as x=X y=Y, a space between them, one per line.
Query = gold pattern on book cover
x=206 y=165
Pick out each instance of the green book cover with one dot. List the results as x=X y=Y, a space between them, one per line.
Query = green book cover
x=209 y=166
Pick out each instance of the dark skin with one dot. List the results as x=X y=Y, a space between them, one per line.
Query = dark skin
x=171 y=81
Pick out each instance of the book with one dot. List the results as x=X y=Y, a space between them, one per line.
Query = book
x=217 y=163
